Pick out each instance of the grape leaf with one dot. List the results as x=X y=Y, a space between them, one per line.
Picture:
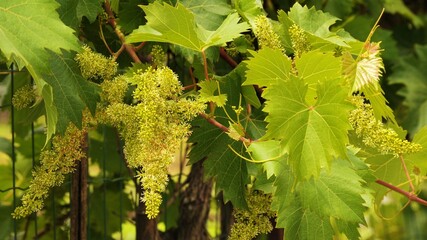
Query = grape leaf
x=209 y=14
x=373 y=91
x=21 y=23
x=267 y=67
x=398 y=6
x=208 y=90
x=339 y=8
x=419 y=159
x=249 y=9
x=229 y=169
x=316 y=24
x=328 y=196
x=308 y=211
x=303 y=127
x=304 y=224
x=72 y=11
x=316 y=66
x=71 y=92
x=411 y=73
x=177 y=25
x=130 y=16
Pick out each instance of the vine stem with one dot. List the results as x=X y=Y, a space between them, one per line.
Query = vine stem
x=227 y=58
x=205 y=65
x=112 y=21
x=410 y=195
x=222 y=127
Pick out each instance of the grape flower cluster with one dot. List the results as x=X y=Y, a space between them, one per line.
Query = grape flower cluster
x=55 y=163
x=265 y=33
x=255 y=220
x=375 y=134
x=152 y=127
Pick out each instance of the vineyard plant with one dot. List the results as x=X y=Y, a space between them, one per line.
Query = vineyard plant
x=302 y=119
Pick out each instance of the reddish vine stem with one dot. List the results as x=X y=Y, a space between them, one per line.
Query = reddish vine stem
x=227 y=58
x=410 y=195
x=112 y=21
x=205 y=65
x=222 y=127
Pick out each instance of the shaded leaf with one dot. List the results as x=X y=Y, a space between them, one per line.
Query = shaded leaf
x=209 y=14
x=411 y=73
x=71 y=92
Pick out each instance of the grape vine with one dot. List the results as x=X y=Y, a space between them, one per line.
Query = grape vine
x=287 y=114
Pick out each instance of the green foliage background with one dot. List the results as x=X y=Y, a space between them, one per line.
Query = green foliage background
x=47 y=34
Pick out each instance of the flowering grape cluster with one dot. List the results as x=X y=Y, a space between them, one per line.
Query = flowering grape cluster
x=153 y=127
x=56 y=162
x=255 y=220
x=375 y=134
x=95 y=66
x=23 y=97
x=300 y=43
x=265 y=33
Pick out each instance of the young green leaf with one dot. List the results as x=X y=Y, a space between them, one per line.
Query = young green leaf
x=177 y=25
x=267 y=67
x=302 y=127
x=209 y=93
x=317 y=24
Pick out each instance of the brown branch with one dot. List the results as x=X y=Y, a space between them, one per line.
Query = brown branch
x=227 y=58
x=112 y=21
x=222 y=127
x=410 y=195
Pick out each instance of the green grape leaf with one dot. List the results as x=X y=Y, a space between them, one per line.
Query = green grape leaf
x=309 y=210
x=299 y=223
x=249 y=9
x=419 y=159
x=51 y=112
x=317 y=24
x=20 y=26
x=72 y=11
x=208 y=91
x=339 y=8
x=267 y=67
x=209 y=14
x=71 y=92
x=177 y=25
x=303 y=127
x=130 y=16
x=304 y=224
x=221 y=162
x=411 y=73
x=314 y=67
x=386 y=168
x=398 y=6
x=372 y=91
x=21 y=23
x=328 y=196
